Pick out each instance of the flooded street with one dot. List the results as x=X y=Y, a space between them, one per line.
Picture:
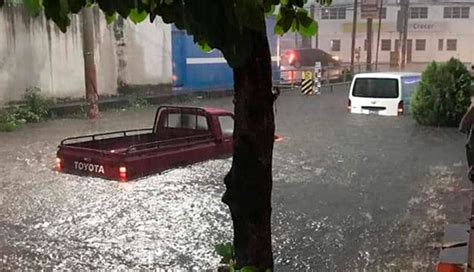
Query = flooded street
x=351 y=193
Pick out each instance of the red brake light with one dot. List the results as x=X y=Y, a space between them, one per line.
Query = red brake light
x=123 y=173
x=292 y=57
x=400 y=108
x=59 y=164
x=444 y=267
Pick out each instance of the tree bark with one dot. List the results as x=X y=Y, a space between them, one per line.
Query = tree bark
x=249 y=182
x=90 y=73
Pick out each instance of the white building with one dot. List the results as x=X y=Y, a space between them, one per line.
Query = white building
x=437 y=30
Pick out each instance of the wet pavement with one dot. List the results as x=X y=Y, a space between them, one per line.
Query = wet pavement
x=351 y=193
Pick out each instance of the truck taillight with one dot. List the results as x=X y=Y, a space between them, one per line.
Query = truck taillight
x=349 y=104
x=446 y=267
x=292 y=57
x=59 y=164
x=123 y=173
x=400 y=109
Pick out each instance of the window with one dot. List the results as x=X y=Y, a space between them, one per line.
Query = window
x=452 y=45
x=336 y=45
x=333 y=13
x=386 y=45
x=420 y=45
x=440 y=44
x=418 y=12
x=227 y=125
x=456 y=12
x=365 y=45
x=186 y=121
x=376 y=88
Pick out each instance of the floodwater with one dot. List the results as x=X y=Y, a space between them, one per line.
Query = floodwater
x=351 y=193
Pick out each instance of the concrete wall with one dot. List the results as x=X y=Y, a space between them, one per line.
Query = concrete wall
x=34 y=53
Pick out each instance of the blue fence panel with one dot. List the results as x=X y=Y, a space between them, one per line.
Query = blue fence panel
x=195 y=70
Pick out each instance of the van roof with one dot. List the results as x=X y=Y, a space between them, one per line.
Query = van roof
x=386 y=74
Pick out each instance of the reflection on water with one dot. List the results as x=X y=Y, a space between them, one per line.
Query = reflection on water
x=64 y=221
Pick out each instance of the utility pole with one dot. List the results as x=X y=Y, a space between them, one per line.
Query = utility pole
x=405 y=33
x=306 y=41
x=90 y=72
x=402 y=26
x=369 y=44
x=378 y=36
x=354 y=30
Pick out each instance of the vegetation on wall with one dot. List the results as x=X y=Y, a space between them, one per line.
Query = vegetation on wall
x=35 y=108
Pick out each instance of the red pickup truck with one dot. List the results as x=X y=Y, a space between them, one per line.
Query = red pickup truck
x=180 y=136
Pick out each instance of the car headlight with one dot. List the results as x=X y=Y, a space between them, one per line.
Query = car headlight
x=336 y=58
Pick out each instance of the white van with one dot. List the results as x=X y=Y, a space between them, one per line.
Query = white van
x=382 y=93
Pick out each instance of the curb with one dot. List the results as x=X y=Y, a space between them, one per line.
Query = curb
x=124 y=101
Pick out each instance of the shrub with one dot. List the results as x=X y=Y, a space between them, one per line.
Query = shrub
x=8 y=122
x=443 y=94
x=36 y=106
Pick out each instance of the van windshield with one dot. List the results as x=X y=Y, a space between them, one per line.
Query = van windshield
x=376 y=87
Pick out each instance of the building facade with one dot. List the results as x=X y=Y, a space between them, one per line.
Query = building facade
x=437 y=31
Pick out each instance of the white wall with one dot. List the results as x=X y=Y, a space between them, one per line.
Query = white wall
x=34 y=53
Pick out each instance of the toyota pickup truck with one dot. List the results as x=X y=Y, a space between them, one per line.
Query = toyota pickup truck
x=180 y=136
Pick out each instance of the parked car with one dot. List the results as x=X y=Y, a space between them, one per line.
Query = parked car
x=307 y=57
x=382 y=93
x=180 y=136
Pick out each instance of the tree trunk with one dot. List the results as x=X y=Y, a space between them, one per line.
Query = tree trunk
x=90 y=73
x=249 y=182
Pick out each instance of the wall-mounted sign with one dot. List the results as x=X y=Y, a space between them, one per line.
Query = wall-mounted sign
x=369 y=9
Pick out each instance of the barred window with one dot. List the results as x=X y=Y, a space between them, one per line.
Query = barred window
x=386 y=45
x=418 y=12
x=420 y=45
x=335 y=45
x=456 y=12
x=451 y=45
x=333 y=13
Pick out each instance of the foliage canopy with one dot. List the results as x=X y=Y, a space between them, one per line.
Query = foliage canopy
x=222 y=24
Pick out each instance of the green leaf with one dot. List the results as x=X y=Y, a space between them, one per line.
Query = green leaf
x=248 y=269
x=225 y=250
x=33 y=7
x=137 y=17
x=204 y=47
x=284 y=2
x=269 y=10
x=310 y=30
x=110 y=18
x=169 y=2
x=249 y=14
x=268 y=270
x=76 y=5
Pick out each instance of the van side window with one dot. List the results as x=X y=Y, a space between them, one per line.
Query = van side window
x=227 y=125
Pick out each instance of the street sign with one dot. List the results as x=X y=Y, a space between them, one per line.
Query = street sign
x=307 y=83
x=317 y=78
x=369 y=9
